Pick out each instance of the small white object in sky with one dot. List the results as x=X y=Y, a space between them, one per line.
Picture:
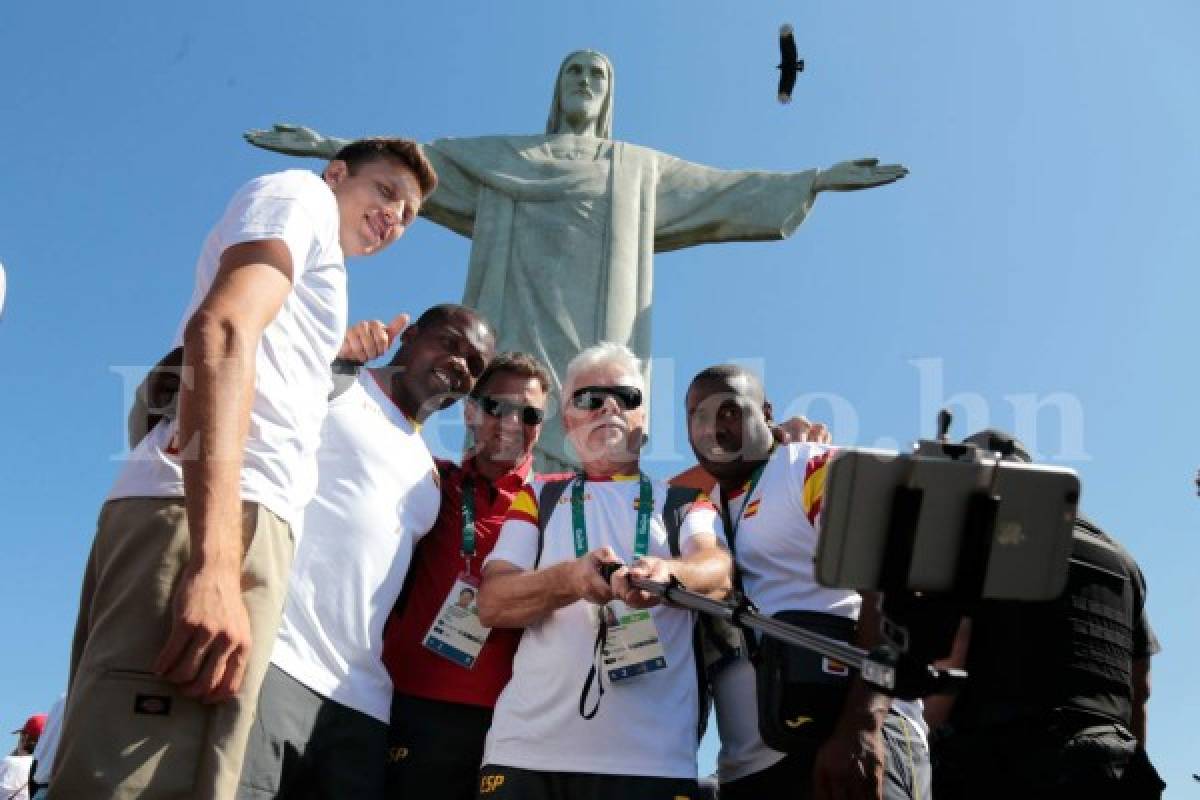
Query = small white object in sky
x=2 y=285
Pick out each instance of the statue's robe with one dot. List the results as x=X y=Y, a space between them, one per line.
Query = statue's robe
x=565 y=227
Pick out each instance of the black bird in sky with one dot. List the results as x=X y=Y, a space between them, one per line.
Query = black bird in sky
x=789 y=65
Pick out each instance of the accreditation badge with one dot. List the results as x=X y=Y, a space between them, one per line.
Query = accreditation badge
x=456 y=633
x=631 y=644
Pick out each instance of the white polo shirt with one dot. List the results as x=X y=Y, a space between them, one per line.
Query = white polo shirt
x=777 y=525
x=645 y=725
x=292 y=380
x=378 y=494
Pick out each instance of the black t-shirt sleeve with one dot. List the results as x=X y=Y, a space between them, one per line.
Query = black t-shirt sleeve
x=1145 y=643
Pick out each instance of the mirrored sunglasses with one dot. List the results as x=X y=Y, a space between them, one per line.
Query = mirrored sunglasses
x=495 y=407
x=591 y=398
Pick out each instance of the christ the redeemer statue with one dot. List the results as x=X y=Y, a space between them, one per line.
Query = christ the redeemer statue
x=564 y=226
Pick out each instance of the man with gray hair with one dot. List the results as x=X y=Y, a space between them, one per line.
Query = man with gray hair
x=603 y=701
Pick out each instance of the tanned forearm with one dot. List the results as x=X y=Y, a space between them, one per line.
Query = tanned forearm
x=865 y=705
x=707 y=571
x=850 y=763
x=512 y=598
x=213 y=423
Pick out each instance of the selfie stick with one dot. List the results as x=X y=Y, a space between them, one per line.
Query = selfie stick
x=884 y=667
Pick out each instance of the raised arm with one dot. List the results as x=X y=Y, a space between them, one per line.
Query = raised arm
x=511 y=597
x=295 y=140
x=701 y=205
x=705 y=568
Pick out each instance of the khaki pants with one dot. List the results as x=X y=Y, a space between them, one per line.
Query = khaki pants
x=128 y=733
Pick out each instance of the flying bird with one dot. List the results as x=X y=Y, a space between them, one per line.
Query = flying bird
x=789 y=65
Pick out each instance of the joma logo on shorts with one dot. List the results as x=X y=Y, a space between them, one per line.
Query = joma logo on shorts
x=490 y=783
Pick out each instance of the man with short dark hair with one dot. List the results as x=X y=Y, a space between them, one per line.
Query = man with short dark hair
x=1054 y=705
x=184 y=585
x=323 y=713
x=770 y=499
x=444 y=691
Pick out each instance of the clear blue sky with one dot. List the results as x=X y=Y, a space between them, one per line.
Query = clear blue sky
x=1043 y=249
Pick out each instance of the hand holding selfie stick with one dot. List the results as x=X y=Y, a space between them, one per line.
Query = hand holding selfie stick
x=884 y=668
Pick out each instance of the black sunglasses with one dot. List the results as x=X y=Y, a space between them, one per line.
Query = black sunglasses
x=591 y=398
x=495 y=407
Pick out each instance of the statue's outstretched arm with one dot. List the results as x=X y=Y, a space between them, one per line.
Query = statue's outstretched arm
x=861 y=173
x=296 y=140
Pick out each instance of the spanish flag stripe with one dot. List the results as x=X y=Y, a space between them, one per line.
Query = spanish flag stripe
x=814 y=485
x=524 y=506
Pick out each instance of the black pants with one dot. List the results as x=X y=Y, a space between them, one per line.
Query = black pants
x=435 y=748
x=510 y=783
x=1041 y=760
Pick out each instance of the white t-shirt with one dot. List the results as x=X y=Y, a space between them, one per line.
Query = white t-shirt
x=292 y=378
x=14 y=775
x=775 y=545
x=378 y=493
x=645 y=725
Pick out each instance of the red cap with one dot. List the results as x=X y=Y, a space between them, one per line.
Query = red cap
x=33 y=726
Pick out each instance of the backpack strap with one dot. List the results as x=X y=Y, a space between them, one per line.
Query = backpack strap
x=548 y=498
x=674 y=510
x=710 y=644
x=344 y=373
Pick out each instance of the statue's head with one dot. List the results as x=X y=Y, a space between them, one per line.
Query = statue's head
x=583 y=90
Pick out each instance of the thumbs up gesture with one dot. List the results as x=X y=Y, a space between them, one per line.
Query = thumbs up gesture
x=369 y=339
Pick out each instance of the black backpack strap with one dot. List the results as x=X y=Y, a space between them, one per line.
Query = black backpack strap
x=548 y=499
x=344 y=373
x=674 y=509
x=679 y=499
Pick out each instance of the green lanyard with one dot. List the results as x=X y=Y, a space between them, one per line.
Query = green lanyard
x=731 y=525
x=468 y=521
x=641 y=541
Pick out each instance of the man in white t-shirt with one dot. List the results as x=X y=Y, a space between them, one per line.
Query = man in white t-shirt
x=15 y=769
x=324 y=709
x=185 y=581
x=47 y=746
x=603 y=699
x=770 y=499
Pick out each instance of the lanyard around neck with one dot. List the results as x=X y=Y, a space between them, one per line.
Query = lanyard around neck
x=641 y=541
x=468 y=521
x=731 y=525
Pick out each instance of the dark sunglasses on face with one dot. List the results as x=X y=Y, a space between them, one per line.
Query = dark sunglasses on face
x=494 y=407
x=591 y=398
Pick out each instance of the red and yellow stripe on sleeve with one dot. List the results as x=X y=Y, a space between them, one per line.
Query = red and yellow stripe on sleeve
x=524 y=506
x=815 y=473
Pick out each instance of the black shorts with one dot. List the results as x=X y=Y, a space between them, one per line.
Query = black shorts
x=307 y=746
x=510 y=783
x=435 y=748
